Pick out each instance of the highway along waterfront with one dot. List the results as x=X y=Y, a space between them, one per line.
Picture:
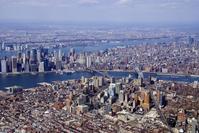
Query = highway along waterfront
x=28 y=80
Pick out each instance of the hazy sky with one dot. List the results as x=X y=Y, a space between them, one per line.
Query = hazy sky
x=132 y=11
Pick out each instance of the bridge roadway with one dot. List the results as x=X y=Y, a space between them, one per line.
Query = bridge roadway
x=103 y=73
x=155 y=73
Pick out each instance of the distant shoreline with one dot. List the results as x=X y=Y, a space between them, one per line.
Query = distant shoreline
x=33 y=73
x=21 y=73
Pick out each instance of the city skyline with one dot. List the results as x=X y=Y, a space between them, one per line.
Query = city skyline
x=99 y=66
x=109 y=11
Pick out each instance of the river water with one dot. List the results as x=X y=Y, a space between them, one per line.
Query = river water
x=30 y=80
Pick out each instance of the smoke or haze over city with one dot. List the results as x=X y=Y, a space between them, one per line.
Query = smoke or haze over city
x=128 y=11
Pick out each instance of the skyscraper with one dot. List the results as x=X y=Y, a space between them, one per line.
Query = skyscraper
x=82 y=59
x=14 y=64
x=19 y=58
x=88 y=61
x=146 y=103
x=118 y=87
x=38 y=55
x=9 y=65
x=101 y=81
x=27 y=67
x=60 y=55
x=3 y=66
x=44 y=53
x=3 y=46
x=24 y=58
x=72 y=52
x=33 y=56
x=28 y=55
x=19 y=67
x=41 y=67
x=121 y=96
x=190 y=40
x=46 y=65
x=58 y=65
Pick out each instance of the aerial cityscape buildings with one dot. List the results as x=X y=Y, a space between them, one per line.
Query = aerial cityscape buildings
x=99 y=66
x=103 y=102
x=179 y=57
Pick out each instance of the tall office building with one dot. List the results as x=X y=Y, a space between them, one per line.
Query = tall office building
x=146 y=103
x=55 y=55
x=38 y=55
x=3 y=46
x=28 y=53
x=72 y=52
x=14 y=64
x=88 y=61
x=9 y=65
x=121 y=96
x=60 y=55
x=45 y=51
x=27 y=67
x=118 y=87
x=33 y=56
x=126 y=97
x=19 y=58
x=58 y=65
x=95 y=82
x=3 y=66
x=101 y=81
x=24 y=58
x=190 y=40
x=161 y=98
x=112 y=80
x=111 y=90
x=33 y=67
x=82 y=59
x=41 y=67
x=19 y=67
x=46 y=65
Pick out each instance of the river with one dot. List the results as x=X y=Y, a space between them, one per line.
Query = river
x=28 y=80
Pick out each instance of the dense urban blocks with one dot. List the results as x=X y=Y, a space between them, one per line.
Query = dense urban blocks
x=100 y=103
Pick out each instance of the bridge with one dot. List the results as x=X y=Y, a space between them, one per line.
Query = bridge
x=103 y=73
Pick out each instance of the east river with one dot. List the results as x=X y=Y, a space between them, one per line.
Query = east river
x=32 y=80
